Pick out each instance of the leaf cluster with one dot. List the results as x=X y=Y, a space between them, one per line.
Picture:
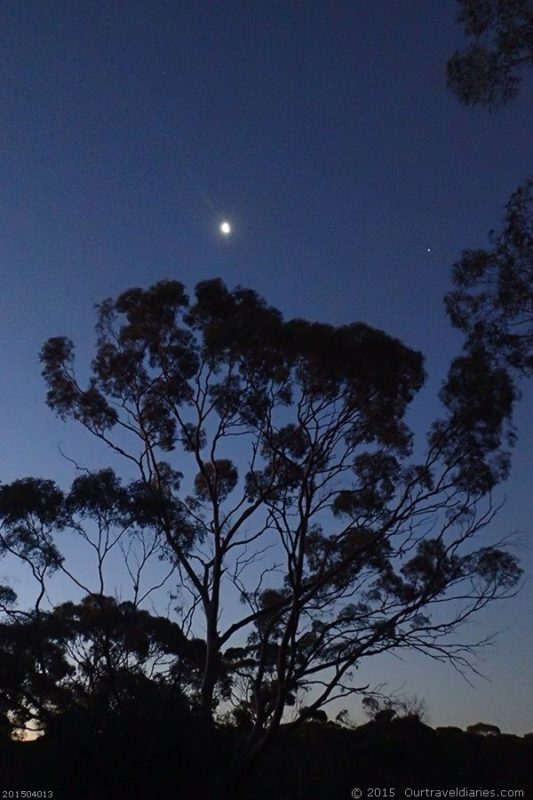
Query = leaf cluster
x=488 y=71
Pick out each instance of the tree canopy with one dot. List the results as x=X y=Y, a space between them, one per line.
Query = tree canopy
x=493 y=297
x=488 y=71
x=276 y=484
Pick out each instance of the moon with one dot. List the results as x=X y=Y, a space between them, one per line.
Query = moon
x=225 y=228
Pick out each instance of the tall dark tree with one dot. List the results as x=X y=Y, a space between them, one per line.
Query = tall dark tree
x=493 y=297
x=274 y=467
x=488 y=72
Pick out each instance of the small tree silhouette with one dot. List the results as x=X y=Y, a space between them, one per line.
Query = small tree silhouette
x=483 y=729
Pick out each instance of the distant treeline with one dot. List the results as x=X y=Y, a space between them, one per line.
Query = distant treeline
x=185 y=758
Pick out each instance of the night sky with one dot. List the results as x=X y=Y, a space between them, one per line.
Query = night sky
x=353 y=179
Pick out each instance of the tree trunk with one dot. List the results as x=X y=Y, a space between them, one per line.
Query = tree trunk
x=211 y=666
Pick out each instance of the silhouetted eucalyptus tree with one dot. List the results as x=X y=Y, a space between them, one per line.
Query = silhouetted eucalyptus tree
x=291 y=486
x=99 y=664
x=493 y=299
x=59 y=661
x=488 y=71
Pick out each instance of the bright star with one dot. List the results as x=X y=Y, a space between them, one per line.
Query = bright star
x=225 y=228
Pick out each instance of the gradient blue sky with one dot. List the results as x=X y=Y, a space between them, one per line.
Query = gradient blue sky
x=325 y=132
